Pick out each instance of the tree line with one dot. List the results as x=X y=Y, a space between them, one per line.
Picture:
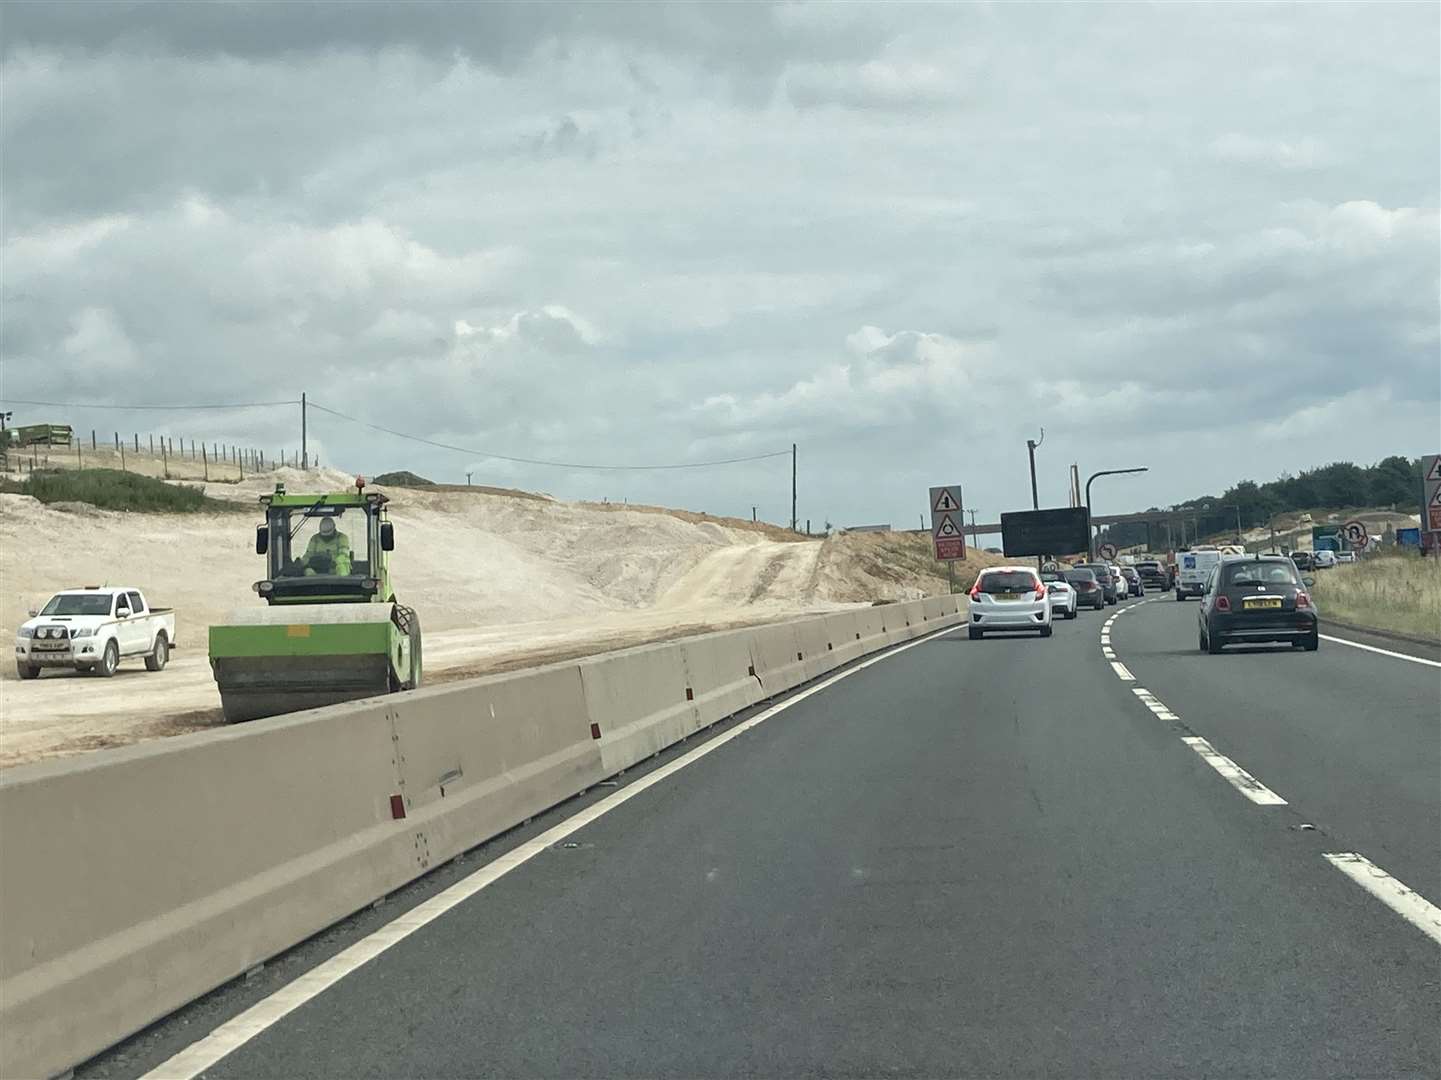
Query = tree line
x=1393 y=482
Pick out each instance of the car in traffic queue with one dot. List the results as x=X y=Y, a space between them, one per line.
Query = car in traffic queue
x=1345 y=557
x=1123 y=589
x=1154 y=574
x=1109 y=590
x=1009 y=598
x=1303 y=560
x=1088 y=589
x=1323 y=559
x=1257 y=598
x=1064 y=600
x=1133 y=581
x=1193 y=570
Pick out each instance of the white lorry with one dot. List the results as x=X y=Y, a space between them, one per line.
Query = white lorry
x=93 y=629
x=1192 y=570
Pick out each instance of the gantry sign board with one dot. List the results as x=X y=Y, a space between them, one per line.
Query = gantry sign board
x=1431 y=493
x=948 y=523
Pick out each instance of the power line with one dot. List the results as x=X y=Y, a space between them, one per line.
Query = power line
x=136 y=408
x=553 y=464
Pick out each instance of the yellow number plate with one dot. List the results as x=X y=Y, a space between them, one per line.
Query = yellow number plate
x=1251 y=603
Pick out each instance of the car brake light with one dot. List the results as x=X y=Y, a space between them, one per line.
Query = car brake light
x=1040 y=590
x=976 y=591
x=1223 y=603
x=1302 y=600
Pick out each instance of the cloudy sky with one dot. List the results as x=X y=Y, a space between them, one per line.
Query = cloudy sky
x=1201 y=238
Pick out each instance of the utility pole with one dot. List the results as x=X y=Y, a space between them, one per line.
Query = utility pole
x=973 y=527
x=793 y=487
x=467 y=479
x=304 y=448
x=1031 y=446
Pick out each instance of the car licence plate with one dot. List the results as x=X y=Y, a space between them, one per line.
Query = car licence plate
x=1009 y=595
x=1253 y=603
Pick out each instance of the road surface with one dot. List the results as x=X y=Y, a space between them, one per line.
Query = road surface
x=992 y=858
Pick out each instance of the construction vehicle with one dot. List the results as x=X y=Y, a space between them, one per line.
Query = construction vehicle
x=330 y=630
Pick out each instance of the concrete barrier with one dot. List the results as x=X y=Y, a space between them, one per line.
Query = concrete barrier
x=639 y=701
x=721 y=674
x=134 y=880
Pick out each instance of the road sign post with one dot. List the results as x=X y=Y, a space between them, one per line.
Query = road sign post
x=947 y=537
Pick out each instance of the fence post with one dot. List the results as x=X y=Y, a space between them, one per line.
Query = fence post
x=137 y=442
x=240 y=462
x=122 y=457
x=152 y=445
x=79 y=463
x=204 y=461
x=117 y=440
x=92 y=438
x=164 y=458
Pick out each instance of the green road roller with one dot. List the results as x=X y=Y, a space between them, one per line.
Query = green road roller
x=330 y=630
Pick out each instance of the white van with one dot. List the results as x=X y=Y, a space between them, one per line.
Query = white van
x=1192 y=570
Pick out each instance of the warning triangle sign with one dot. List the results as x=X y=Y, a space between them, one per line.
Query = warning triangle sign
x=946 y=502
x=1433 y=474
x=1435 y=498
x=946 y=529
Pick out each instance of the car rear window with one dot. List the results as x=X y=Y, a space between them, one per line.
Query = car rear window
x=1266 y=573
x=1076 y=577
x=1006 y=581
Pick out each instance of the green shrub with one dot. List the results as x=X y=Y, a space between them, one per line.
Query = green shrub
x=111 y=489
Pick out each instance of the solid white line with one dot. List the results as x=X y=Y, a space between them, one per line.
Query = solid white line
x=1409 y=904
x=1240 y=779
x=1122 y=671
x=239 y=1030
x=1383 y=652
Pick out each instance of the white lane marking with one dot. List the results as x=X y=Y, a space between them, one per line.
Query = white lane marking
x=1383 y=652
x=239 y=1030
x=1239 y=778
x=1409 y=904
x=1108 y=652
x=1122 y=671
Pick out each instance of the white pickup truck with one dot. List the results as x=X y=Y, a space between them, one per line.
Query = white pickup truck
x=93 y=629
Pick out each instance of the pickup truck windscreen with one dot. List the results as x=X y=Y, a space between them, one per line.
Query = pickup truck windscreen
x=78 y=604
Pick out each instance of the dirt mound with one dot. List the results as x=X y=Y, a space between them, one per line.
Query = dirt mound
x=402 y=478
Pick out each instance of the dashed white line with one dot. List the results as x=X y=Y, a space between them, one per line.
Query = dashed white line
x=1108 y=652
x=1238 y=777
x=1122 y=671
x=1383 y=652
x=1409 y=904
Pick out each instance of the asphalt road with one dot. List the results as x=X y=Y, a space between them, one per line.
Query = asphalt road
x=985 y=858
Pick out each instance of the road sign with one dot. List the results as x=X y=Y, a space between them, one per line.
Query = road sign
x=1431 y=493
x=1356 y=534
x=1106 y=551
x=1064 y=531
x=947 y=519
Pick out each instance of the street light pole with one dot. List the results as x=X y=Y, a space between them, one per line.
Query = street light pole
x=1091 y=536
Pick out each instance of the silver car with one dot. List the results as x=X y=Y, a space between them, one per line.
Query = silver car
x=1009 y=598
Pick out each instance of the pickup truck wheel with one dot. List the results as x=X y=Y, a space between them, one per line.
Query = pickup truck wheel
x=27 y=671
x=109 y=661
x=161 y=653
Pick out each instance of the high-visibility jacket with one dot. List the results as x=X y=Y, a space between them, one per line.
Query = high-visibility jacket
x=337 y=548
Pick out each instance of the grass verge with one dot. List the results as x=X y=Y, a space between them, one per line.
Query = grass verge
x=1399 y=592
x=111 y=489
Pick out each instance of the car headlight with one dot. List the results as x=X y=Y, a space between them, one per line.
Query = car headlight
x=84 y=631
x=25 y=631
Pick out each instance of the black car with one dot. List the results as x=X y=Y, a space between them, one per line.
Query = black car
x=1153 y=575
x=1303 y=560
x=1253 y=598
x=1109 y=589
x=1088 y=588
x=1132 y=578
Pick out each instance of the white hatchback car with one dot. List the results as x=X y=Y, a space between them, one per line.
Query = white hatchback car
x=1009 y=598
x=1063 y=594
